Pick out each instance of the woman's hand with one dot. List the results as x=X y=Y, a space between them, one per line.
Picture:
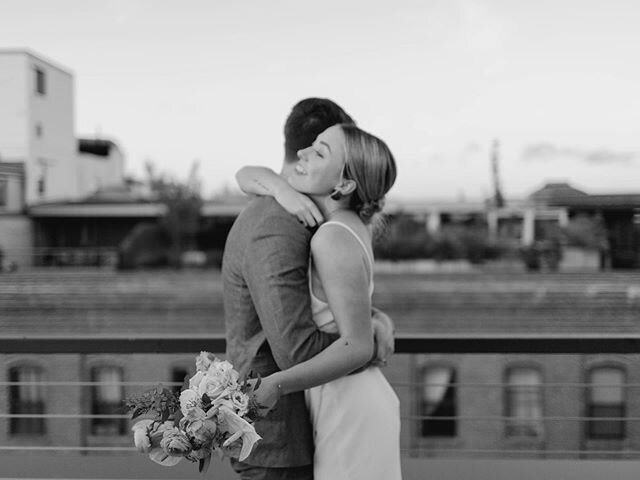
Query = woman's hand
x=267 y=394
x=384 y=335
x=299 y=205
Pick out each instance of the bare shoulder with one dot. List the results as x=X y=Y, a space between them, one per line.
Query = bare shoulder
x=337 y=245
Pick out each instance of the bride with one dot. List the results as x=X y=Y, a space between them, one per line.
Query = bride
x=346 y=173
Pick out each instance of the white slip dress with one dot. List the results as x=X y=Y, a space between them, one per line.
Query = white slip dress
x=356 y=418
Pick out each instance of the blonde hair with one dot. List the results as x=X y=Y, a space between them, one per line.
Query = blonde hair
x=370 y=164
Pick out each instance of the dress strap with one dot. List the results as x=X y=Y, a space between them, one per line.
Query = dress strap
x=360 y=241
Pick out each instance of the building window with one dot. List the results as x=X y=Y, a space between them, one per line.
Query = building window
x=606 y=403
x=106 y=399
x=41 y=81
x=524 y=402
x=26 y=399
x=439 y=402
x=42 y=177
x=4 y=187
x=39 y=130
x=178 y=375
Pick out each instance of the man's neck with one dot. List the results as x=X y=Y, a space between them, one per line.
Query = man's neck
x=287 y=169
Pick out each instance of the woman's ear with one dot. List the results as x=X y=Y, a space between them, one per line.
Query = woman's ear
x=347 y=187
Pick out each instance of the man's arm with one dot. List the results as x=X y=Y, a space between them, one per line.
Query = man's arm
x=276 y=269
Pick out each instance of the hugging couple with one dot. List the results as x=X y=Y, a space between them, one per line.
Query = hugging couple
x=298 y=280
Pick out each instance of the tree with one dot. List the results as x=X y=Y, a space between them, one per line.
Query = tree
x=183 y=202
x=161 y=244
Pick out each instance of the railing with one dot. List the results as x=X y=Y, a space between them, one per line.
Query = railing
x=74 y=256
x=417 y=449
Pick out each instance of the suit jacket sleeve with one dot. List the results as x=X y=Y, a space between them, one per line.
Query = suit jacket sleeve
x=276 y=269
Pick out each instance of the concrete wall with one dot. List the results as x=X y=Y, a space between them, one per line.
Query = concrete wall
x=16 y=239
x=95 y=172
x=14 y=110
x=53 y=152
x=14 y=193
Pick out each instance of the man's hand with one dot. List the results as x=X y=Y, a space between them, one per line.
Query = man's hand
x=383 y=331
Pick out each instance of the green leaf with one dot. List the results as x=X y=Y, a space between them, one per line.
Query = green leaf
x=138 y=411
x=177 y=416
x=204 y=465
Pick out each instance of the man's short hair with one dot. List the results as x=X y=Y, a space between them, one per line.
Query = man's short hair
x=309 y=118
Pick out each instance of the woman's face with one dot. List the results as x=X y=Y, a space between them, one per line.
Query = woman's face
x=319 y=168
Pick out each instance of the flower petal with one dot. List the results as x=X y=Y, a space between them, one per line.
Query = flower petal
x=160 y=457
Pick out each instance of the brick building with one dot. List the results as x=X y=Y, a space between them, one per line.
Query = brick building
x=472 y=402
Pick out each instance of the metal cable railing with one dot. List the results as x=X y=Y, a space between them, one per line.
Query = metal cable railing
x=414 y=443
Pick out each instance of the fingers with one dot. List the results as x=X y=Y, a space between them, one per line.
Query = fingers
x=310 y=217
x=315 y=214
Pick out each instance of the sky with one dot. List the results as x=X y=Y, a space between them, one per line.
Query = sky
x=177 y=82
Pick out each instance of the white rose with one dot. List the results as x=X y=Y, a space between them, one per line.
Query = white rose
x=189 y=399
x=194 y=382
x=141 y=435
x=225 y=372
x=204 y=361
x=212 y=386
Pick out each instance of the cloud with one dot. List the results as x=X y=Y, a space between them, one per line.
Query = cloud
x=546 y=151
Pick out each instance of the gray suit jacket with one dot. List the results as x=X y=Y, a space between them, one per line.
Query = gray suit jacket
x=268 y=320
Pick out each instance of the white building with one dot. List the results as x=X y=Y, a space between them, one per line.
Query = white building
x=100 y=165
x=41 y=160
x=37 y=125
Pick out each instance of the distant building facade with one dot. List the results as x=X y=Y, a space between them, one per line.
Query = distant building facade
x=100 y=165
x=37 y=125
x=41 y=160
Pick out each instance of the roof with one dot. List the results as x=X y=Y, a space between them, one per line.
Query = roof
x=564 y=195
x=165 y=302
x=98 y=209
x=95 y=146
x=12 y=168
x=556 y=193
x=37 y=56
x=604 y=202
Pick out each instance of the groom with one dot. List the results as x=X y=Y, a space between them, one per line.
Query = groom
x=269 y=326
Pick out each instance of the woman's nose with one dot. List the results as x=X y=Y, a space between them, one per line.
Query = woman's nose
x=301 y=153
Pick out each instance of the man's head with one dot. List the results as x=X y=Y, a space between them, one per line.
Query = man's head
x=309 y=118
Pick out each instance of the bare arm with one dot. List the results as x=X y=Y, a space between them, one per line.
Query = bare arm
x=264 y=181
x=256 y=180
x=344 y=276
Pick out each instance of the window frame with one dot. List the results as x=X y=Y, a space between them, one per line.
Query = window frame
x=40 y=80
x=590 y=426
x=34 y=427
x=101 y=427
x=512 y=422
x=447 y=428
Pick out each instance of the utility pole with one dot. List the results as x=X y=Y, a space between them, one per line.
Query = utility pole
x=498 y=199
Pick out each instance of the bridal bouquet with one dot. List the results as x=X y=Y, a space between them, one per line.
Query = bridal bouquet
x=214 y=413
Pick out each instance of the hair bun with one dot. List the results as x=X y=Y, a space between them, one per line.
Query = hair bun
x=370 y=208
